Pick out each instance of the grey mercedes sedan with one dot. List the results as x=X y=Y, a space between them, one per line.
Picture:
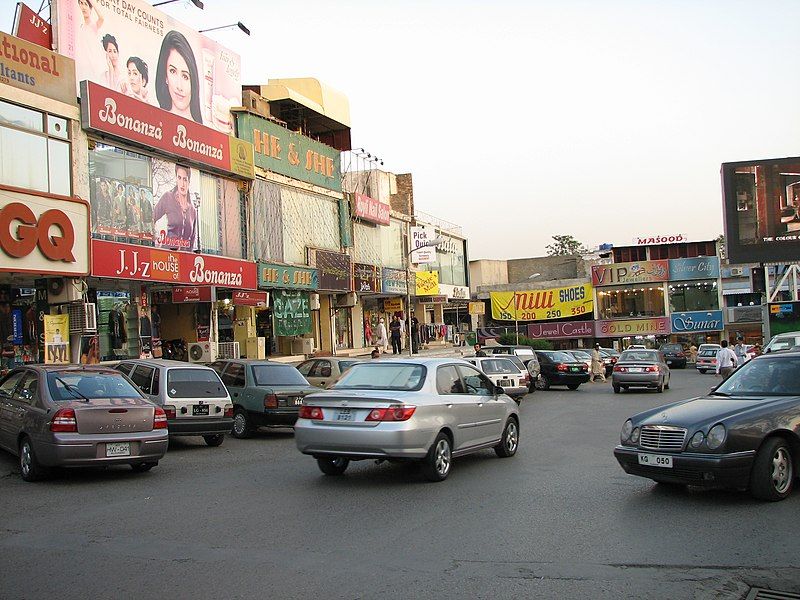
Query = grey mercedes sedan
x=425 y=410
x=62 y=416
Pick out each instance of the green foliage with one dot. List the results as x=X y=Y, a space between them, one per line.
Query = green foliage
x=511 y=340
x=565 y=245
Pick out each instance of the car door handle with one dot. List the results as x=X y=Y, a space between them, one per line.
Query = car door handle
x=449 y=405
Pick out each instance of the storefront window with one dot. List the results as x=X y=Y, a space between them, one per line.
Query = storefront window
x=379 y=244
x=622 y=303
x=309 y=220
x=342 y=320
x=693 y=296
x=450 y=262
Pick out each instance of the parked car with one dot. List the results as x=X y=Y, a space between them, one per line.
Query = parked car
x=582 y=356
x=428 y=410
x=743 y=434
x=560 y=368
x=707 y=359
x=636 y=347
x=324 y=372
x=525 y=354
x=192 y=396
x=264 y=393
x=504 y=374
x=783 y=341
x=78 y=416
x=674 y=354
x=640 y=368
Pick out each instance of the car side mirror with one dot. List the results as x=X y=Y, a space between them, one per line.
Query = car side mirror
x=498 y=390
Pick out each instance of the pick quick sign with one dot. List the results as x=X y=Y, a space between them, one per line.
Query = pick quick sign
x=422 y=253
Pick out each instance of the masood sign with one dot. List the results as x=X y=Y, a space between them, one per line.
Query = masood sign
x=43 y=234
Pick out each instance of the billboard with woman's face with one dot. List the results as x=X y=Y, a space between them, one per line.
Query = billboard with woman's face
x=135 y=49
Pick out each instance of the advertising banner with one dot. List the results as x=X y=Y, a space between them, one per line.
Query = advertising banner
x=393 y=281
x=137 y=50
x=142 y=263
x=335 y=271
x=290 y=153
x=477 y=308
x=684 y=269
x=784 y=317
x=539 y=305
x=634 y=272
x=455 y=292
x=30 y=67
x=371 y=210
x=427 y=283
x=423 y=254
x=43 y=233
x=191 y=294
x=248 y=298
x=632 y=327
x=30 y=27
x=291 y=312
x=56 y=339
x=392 y=305
x=697 y=321
x=271 y=275
x=566 y=329
x=366 y=278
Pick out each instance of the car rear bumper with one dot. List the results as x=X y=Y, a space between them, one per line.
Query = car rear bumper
x=385 y=440
x=704 y=470
x=285 y=417
x=706 y=366
x=567 y=378
x=515 y=391
x=211 y=426
x=650 y=380
x=676 y=361
x=81 y=450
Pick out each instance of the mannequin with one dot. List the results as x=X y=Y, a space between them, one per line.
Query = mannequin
x=117 y=328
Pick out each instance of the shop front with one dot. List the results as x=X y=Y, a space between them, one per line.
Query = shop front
x=695 y=300
x=287 y=320
x=336 y=298
x=623 y=332
x=697 y=327
x=455 y=312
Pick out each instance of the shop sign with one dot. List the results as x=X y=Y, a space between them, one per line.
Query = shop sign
x=392 y=305
x=684 y=269
x=129 y=119
x=143 y=263
x=422 y=253
x=43 y=233
x=477 y=308
x=335 y=271
x=697 y=321
x=370 y=209
x=438 y=299
x=632 y=327
x=366 y=278
x=394 y=281
x=30 y=67
x=272 y=275
x=289 y=153
x=633 y=272
x=454 y=292
x=427 y=283
x=30 y=27
x=16 y=327
x=540 y=305
x=745 y=314
x=248 y=298
x=191 y=294
x=56 y=339
x=655 y=240
x=291 y=312
x=564 y=329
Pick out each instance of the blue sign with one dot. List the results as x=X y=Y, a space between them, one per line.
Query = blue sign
x=785 y=309
x=393 y=281
x=684 y=269
x=697 y=321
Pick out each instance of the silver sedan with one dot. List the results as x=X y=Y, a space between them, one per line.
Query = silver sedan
x=426 y=410
x=640 y=368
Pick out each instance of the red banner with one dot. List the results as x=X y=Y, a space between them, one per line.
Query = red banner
x=191 y=294
x=245 y=298
x=371 y=210
x=143 y=263
x=568 y=329
x=33 y=28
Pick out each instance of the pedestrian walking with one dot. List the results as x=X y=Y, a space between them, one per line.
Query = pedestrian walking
x=414 y=334
x=383 y=338
x=598 y=368
x=693 y=354
x=726 y=360
x=396 y=333
x=740 y=351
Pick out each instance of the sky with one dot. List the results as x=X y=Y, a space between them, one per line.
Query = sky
x=523 y=120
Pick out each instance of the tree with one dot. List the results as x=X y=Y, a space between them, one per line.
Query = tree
x=565 y=245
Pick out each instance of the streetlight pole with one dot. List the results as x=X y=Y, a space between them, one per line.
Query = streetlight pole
x=429 y=244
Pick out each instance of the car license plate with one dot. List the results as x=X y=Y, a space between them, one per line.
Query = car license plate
x=344 y=414
x=199 y=409
x=574 y=369
x=655 y=460
x=635 y=369
x=118 y=449
x=504 y=383
x=669 y=362
x=298 y=401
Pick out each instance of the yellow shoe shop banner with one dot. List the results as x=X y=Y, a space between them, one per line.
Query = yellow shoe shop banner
x=427 y=283
x=540 y=305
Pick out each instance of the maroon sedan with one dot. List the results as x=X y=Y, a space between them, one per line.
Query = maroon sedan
x=78 y=416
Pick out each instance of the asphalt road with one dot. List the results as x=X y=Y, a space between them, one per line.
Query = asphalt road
x=256 y=519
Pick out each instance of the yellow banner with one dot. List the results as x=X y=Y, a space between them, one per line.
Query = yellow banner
x=541 y=305
x=427 y=283
x=391 y=305
x=56 y=339
x=477 y=308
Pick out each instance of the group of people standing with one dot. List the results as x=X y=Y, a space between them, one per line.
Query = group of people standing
x=394 y=335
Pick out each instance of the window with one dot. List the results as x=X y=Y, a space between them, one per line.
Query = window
x=26 y=146
x=476 y=382
x=499 y=366
x=375 y=376
x=701 y=295
x=234 y=375
x=277 y=375
x=448 y=381
x=626 y=303
x=7 y=387
x=143 y=378
x=28 y=390
x=306 y=367
x=124 y=367
x=194 y=383
x=323 y=368
x=66 y=386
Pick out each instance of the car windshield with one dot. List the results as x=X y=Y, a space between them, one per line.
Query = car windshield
x=498 y=366
x=782 y=342
x=194 y=383
x=372 y=376
x=764 y=377
x=672 y=348
x=560 y=357
x=638 y=356
x=581 y=355
x=517 y=361
x=610 y=351
x=66 y=386
x=278 y=375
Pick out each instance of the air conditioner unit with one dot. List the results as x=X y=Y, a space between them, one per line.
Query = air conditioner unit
x=345 y=300
x=82 y=318
x=202 y=352
x=228 y=350
x=61 y=290
x=737 y=271
x=313 y=301
x=303 y=346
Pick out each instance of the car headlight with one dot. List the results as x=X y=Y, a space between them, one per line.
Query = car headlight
x=716 y=436
x=697 y=440
x=627 y=428
x=635 y=435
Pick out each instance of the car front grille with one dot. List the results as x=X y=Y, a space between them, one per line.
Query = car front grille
x=662 y=437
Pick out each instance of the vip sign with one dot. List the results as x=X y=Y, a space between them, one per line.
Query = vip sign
x=43 y=233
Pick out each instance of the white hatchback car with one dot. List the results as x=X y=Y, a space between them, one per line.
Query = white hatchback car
x=503 y=373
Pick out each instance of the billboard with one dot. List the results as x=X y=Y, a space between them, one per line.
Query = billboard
x=422 y=253
x=137 y=50
x=761 y=204
x=540 y=305
x=784 y=317
x=34 y=69
x=686 y=269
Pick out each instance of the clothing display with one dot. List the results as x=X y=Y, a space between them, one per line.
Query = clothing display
x=116 y=328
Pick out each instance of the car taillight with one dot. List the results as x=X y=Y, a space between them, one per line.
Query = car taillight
x=159 y=418
x=620 y=369
x=651 y=369
x=584 y=367
x=393 y=413
x=64 y=420
x=561 y=367
x=228 y=410
x=270 y=401
x=310 y=412
x=526 y=378
x=170 y=411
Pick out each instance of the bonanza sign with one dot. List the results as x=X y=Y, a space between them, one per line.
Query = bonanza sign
x=540 y=305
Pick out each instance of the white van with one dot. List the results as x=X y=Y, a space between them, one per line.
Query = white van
x=783 y=341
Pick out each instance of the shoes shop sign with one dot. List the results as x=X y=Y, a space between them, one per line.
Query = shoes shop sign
x=43 y=234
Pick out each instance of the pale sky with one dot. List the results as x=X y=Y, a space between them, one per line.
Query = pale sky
x=522 y=120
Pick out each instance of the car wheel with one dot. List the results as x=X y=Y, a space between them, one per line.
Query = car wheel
x=573 y=386
x=542 y=383
x=143 y=467
x=436 y=465
x=616 y=387
x=666 y=385
x=214 y=440
x=510 y=441
x=333 y=465
x=29 y=466
x=772 y=475
x=241 y=424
